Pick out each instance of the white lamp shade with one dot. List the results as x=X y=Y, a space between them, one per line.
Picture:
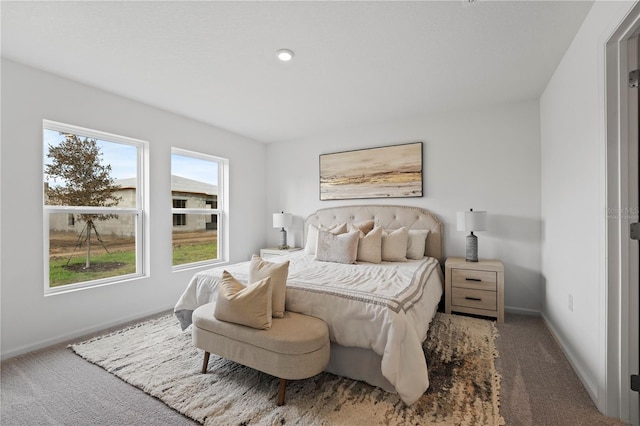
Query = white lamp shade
x=282 y=220
x=472 y=221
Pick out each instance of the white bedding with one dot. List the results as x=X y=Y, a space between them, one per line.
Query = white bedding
x=384 y=307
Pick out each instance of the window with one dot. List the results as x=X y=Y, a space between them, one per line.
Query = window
x=197 y=193
x=93 y=217
x=179 y=219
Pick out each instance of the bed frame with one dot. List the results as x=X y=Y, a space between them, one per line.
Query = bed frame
x=358 y=363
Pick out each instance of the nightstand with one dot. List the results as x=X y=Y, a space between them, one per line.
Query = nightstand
x=475 y=287
x=270 y=252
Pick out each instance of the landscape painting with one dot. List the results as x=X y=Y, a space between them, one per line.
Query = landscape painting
x=388 y=172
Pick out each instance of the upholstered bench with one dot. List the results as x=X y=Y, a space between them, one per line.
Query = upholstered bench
x=296 y=347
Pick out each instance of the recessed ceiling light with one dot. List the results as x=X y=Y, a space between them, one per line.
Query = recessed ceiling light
x=284 y=55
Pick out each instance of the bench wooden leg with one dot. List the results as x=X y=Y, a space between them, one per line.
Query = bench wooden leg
x=283 y=386
x=205 y=363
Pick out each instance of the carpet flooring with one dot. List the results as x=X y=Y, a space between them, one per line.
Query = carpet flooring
x=54 y=386
x=160 y=359
x=539 y=387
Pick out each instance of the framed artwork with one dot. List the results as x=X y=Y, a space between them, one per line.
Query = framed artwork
x=393 y=171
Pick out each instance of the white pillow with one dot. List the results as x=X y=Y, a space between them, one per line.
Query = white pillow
x=278 y=272
x=394 y=245
x=342 y=248
x=370 y=246
x=417 y=244
x=250 y=305
x=312 y=235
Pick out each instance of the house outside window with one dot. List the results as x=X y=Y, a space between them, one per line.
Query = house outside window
x=197 y=192
x=93 y=207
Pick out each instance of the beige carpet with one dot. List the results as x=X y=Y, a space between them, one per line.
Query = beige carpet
x=158 y=358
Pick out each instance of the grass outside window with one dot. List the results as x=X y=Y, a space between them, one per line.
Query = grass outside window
x=66 y=262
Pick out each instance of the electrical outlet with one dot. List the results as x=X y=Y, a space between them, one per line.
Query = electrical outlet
x=571 y=302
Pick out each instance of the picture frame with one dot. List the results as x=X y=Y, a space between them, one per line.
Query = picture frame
x=392 y=171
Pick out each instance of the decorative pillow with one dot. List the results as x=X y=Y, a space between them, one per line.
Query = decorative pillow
x=312 y=235
x=364 y=227
x=417 y=244
x=370 y=246
x=250 y=305
x=394 y=245
x=278 y=272
x=342 y=248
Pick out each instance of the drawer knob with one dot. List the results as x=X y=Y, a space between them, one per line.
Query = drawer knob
x=473 y=279
x=473 y=298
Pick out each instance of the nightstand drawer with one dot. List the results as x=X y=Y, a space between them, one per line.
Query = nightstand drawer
x=473 y=279
x=479 y=299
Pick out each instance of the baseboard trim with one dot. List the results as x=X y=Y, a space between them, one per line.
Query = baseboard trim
x=79 y=333
x=522 y=311
x=584 y=378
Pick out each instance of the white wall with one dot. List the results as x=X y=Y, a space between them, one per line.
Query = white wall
x=29 y=319
x=485 y=159
x=573 y=167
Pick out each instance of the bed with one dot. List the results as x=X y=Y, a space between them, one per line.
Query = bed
x=378 y=314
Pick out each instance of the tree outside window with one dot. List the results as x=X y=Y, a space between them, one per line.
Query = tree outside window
x=93 y=220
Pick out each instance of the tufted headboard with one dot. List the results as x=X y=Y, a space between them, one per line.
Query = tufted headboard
x=387 y=216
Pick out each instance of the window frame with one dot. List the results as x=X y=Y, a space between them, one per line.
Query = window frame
x=220 y=211
x=139 y=212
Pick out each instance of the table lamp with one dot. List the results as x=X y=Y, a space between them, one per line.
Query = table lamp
x=282 y=220
x=472 y=221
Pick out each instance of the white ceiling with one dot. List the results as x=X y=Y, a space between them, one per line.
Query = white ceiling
x=355 y=62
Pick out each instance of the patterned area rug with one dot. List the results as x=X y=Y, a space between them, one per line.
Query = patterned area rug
x=158 y=358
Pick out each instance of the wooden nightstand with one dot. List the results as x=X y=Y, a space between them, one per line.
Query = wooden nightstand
x=269 y=252
x=475 y=287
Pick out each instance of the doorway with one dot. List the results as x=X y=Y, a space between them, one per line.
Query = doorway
x=621 y=294
x=633 y=203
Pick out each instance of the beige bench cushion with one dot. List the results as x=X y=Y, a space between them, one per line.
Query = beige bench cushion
x=296 y=346
x=292 y=334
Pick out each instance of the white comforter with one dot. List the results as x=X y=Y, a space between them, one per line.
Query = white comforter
x=385 y=307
